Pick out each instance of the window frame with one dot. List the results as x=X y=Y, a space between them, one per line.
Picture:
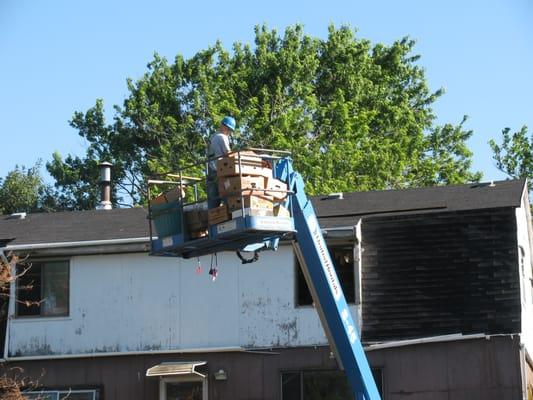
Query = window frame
x=43 y=261
x=177 y=379
x=63 y=392
x=301 y=373
x=356 y=300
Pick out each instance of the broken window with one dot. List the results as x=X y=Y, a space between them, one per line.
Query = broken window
x=43 y=290
x=343 y=260
x=326 y=385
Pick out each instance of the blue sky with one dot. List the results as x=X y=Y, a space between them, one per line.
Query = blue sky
x=57 y=57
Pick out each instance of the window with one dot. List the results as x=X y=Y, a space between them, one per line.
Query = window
x=325 y=385
x=343 y=260
x=43 y=290
x=62 y=395
x=183 y=387
x=184 y=390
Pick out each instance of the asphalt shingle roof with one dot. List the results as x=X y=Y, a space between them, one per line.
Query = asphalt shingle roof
x=74 y=226
x=420 y=200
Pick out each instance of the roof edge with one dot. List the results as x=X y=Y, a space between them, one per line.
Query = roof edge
x=52 y=245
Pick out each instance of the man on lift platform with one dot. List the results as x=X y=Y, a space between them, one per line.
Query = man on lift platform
x=218 y=146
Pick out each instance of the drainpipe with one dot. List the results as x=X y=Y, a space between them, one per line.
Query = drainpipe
x=9 y=303
x=105 y=186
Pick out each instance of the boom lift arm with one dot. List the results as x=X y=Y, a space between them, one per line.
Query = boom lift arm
x=325 y=288
x=255 y=233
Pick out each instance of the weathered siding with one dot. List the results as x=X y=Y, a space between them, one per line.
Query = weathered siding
x=133 y=302
x=525 y=271
x=464 y=370
x=482 y=369
x=440 y=273
x=250 y=375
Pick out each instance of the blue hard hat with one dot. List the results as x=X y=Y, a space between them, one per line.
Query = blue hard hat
x=229 y=122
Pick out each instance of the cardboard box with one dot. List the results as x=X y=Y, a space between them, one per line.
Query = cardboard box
x=235 y=184
x=250 y=165
x=281 y=211
x=161 y=199
x=253 y=212
x=168 y=197
x=196 y=217
x=255 y=202
x=218 y=215
x=276 y=184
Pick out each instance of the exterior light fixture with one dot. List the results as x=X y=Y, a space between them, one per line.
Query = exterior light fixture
x=221 y=375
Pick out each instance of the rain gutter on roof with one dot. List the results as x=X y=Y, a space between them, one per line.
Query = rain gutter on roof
x=343 y=231
x=434 y=339
x=126 y=353
x=37 y=246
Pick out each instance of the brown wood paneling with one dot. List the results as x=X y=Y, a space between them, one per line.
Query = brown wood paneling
x=251 y=375
x=487 y=369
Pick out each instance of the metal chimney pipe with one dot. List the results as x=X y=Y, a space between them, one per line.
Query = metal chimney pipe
x=105 y=186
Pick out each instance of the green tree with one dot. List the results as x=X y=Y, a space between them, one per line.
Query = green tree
x=23 y=190
x=515 y=154
x=356 y=116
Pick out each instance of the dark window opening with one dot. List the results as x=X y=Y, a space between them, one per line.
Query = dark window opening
x=192 y=390
x=43 y=290
x=323 y=385
x=342 y=257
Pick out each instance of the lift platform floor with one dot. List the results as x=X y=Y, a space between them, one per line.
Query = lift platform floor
x=227 y=236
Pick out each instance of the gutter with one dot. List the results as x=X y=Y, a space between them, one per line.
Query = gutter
x=434 y=339
x=331 y=232
x=9 y=301
x=266 y=350
x=127 y=353
x=37 y=246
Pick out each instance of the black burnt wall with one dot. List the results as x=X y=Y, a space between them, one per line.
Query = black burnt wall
x=440 y=273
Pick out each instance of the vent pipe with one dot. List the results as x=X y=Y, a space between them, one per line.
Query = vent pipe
x=105 y=186
x=335 y=196
x=19 y=215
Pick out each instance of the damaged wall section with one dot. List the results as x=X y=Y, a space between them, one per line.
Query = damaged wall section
x=440 y=273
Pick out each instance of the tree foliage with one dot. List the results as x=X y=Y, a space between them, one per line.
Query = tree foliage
x=12 y=379
x=515 y=154
x=23 y=190
x=356 y=116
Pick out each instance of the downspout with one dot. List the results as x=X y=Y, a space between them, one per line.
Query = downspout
x=8 y=314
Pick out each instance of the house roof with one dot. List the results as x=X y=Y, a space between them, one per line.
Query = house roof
x=75 y=226
x=354 y=206
x=129 y=223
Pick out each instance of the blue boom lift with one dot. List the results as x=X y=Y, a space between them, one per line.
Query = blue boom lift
x=245 y=232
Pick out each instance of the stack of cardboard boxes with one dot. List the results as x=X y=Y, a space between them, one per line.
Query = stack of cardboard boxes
x=245 y=187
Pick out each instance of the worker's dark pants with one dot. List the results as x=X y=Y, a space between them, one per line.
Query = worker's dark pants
x=213 y=197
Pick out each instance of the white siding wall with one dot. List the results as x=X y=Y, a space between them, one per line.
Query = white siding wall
x=133 y=302
x=526 y=295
